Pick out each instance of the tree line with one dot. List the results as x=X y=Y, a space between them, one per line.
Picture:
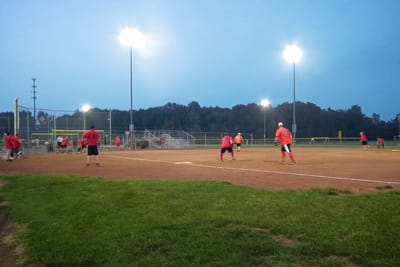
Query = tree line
x=311 y=120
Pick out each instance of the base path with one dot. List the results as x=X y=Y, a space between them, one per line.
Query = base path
x=350 y=169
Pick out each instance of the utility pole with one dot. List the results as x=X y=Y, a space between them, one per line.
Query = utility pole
x=34 y=100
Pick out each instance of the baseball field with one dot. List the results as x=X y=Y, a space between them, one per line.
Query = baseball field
x=63 y=218
x=352 y=169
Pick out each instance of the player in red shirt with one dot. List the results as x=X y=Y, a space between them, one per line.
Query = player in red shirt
x=364 y=141
x=118 y=142
x=284 y=137
x=226 y=145
x=16 y=147
x=380 y=142
x=9 y=144
x=92 y=138
x=82 y=145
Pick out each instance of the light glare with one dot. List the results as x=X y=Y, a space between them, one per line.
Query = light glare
x=134 y=38
x=85 y=108
x=265 y=103
x=292 y=53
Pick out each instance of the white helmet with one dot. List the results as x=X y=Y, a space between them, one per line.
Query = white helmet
x=280 y=124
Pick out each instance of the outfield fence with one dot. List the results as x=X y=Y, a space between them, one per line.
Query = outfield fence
x=40 y=132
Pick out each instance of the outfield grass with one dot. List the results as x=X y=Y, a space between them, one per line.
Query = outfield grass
x=80 y=221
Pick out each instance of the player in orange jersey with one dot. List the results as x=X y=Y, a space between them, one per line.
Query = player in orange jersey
x=238 y=141
x=284 y=137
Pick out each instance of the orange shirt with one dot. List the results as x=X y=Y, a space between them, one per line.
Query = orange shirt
x=238 y=139
x=284 y=136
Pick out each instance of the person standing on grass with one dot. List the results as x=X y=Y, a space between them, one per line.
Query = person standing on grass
x=284 y=137
x=364 y=141
x=92 y=139
x=226 y=145
x=238 y=141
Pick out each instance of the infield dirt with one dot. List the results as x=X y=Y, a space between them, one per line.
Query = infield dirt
x=352 y=169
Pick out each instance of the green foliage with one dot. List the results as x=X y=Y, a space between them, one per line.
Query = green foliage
x=311 y=120
x=79 y=221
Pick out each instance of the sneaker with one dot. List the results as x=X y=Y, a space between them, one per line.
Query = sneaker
x=98 y=164
x=292 y=163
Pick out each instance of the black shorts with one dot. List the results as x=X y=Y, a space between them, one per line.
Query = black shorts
x=286 y=148
x=229 y=149
x=92 y=151
x=364 y=143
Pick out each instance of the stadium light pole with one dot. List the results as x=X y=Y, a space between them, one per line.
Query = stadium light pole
x=264 y=103
x=293 y=54
x=110 y=127
x=132 y=38
x=85 y=108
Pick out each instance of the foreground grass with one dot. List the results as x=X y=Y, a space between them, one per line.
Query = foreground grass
x=78 y=221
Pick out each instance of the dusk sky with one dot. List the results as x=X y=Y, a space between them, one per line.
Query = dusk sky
x=216 y=52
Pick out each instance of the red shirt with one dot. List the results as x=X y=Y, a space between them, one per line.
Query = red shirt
x=92 y=137
x=117 y=141
x=226 y=141
x=17 y=142
x=83 y=143
x=65 y=141
x=9 y=142
x=284 y=136
x=363 y=138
